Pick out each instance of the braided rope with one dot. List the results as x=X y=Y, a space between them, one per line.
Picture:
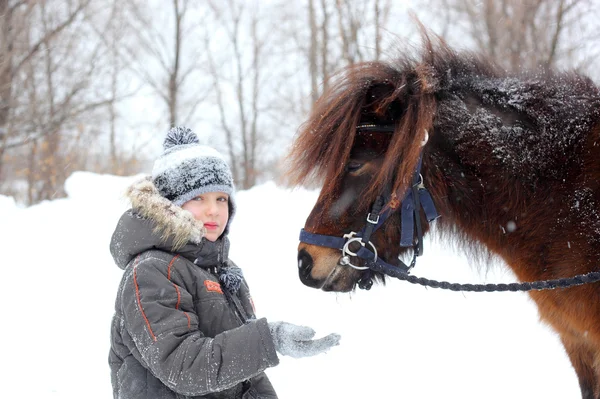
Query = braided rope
x=540 y=285
x=580 y=279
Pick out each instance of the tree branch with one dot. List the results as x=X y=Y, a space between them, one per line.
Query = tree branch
x=49 y=36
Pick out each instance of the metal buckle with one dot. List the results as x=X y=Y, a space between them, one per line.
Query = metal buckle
x=372 y=221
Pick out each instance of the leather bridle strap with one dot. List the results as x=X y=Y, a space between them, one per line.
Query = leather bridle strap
x=411 y=232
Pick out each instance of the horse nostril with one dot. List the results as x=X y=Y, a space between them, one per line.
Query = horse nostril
x=305 y=263
x=305 y=267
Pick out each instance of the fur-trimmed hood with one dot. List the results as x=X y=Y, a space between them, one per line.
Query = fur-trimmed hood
x=154 y=222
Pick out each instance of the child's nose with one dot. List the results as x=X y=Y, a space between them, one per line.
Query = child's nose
x=212 y=208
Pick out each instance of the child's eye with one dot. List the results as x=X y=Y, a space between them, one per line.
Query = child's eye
x=198 y=198
x=223 y=199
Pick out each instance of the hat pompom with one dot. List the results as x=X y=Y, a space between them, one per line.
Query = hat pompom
x=180 y=135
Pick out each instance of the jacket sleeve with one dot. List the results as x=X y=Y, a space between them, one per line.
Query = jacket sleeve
x=262 y=387
x=159 y=315
x=259 y=384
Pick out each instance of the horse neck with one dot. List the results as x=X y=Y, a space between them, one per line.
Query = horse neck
x=503 y=175
x=487 y=205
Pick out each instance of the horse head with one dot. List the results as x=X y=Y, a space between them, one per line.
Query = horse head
x=363 y=140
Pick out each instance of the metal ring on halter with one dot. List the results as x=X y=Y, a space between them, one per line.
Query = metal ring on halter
x=425 y=138
x=420 y=183
x=345 y=260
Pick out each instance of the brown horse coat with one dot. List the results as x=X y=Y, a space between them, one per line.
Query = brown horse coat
x=512 y=163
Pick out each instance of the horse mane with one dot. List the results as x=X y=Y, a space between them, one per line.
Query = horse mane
x=406 y=92
x=399 y=92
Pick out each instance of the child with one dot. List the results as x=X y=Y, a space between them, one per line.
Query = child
x=184 y=325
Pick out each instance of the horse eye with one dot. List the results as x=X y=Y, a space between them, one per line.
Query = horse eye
x=353 y=166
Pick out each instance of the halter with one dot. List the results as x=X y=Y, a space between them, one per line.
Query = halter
x=411 y=233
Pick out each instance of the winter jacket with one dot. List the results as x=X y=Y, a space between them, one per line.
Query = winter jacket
x=175 y=334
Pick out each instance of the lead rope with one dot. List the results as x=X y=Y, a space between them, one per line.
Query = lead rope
x=540 y=285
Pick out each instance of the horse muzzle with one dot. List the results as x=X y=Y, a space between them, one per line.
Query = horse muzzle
x=326 y=273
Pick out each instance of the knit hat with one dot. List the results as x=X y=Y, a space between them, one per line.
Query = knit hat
x=187 y=169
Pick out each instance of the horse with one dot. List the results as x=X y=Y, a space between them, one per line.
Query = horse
x=510 y=162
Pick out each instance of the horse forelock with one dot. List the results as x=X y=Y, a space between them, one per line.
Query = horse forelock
x=364 y=93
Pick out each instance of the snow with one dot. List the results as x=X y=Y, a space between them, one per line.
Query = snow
x=399 y=340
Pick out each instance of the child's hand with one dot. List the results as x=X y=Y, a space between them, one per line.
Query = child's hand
x=296 y=341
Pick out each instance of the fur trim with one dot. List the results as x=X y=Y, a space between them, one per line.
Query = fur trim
x=172 y=221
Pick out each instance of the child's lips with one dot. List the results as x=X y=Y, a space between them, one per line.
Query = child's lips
x=211 y=226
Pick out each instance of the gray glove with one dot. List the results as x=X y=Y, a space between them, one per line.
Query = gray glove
x=296 y=341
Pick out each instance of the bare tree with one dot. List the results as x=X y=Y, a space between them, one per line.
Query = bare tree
x=313 y=51
x=44 y=54
x=519 y=34
x=114 y=32
x=326 y=68
x=342 y=33
x=239 y=93
x=16 y=57
x=350 y=23
x=157 y=53
x=6 y=69
x=381 y=14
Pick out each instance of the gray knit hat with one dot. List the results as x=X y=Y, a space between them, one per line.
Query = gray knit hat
x=187 y=169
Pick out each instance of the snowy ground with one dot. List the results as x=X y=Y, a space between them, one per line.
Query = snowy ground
x=397 y=341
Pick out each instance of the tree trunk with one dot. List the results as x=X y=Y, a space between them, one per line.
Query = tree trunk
x=6 y=52
x=325 y=45
x=312 y=53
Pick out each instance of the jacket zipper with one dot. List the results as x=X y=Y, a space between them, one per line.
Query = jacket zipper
x=235 y=304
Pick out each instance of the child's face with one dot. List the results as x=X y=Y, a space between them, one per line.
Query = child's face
x=212 y=209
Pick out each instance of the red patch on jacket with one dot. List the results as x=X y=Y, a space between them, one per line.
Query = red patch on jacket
x=252 y=303
x=213 y=286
